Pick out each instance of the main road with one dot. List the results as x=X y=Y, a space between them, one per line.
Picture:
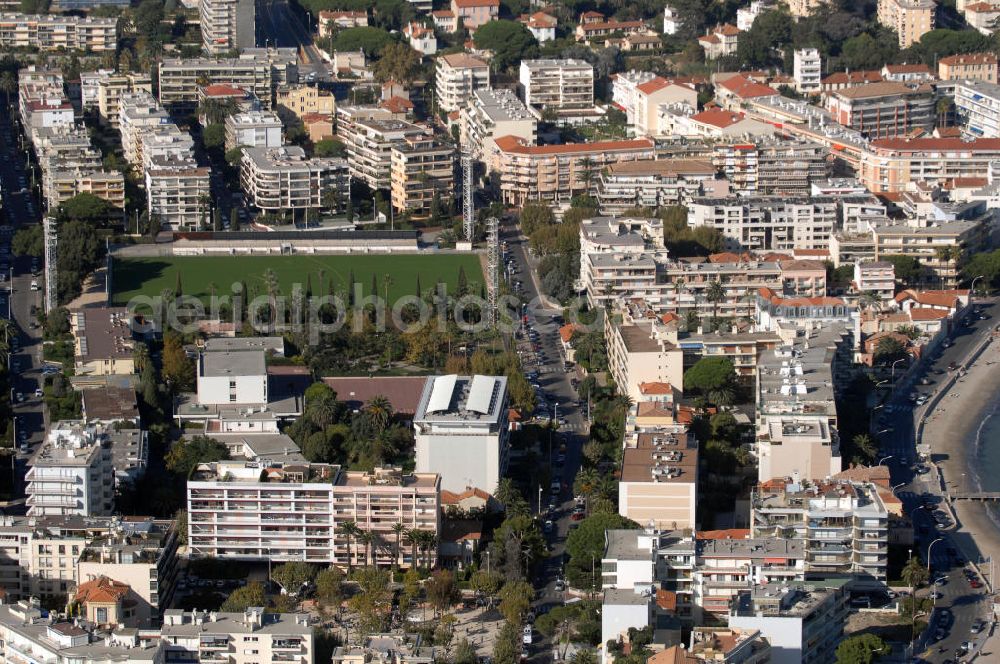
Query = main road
x=21 y=209
x=915 y=483
x=278 y=24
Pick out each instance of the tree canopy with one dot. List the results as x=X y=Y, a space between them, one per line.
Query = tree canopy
x=188 y=453
x=89 y=209
x=365 y=38
x=908 y=269
x=585 y=544
x=709 y=373
x=861 y=649
x=510 y=42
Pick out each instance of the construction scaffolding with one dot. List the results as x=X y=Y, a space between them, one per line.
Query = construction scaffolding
x=468 y=207
x=51 y=241
x=492 y=270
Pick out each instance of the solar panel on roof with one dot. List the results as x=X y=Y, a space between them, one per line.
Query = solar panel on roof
x=480 y=394
x=441 y=393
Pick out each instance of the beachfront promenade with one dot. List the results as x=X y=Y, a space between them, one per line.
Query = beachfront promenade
x=948 y=424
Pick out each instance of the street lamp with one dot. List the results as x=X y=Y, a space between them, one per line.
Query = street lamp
x=929 y=547
x=893 y=372
x=884 y=459
x=893 y=489
x=972 y=287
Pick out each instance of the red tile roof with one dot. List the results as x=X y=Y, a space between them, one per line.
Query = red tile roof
x=666 y=600
x=937 y=144
x=925 y=314
x=729 y=533
x=443 y=13
x=844 y=77
x=718 y=118
x=452 y=498
x=223 y=90
x=101 y=590
x=566 y=331
x=656 y=388
x=517 y=145
x=396 y=104
x=670 y=317
x=907 y=69
x=982 y=8
x=934 y=298
x=969 y=59
x=745 y=88
x=653 y=85
x=711 y=39
x=728 y=30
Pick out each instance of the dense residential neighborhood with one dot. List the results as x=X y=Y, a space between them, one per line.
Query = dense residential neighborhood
x=495 y=332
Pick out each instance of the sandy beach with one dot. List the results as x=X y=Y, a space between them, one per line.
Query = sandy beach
x=950 y=429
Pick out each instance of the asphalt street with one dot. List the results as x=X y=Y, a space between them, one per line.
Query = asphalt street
x=555 y=383
x=279 y=25
x=21 y=209
x=960 y=605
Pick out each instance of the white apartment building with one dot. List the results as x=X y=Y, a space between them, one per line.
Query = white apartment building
x=877 y=277
x=422 y=168
x=803 y=622
x=89 y=84
x=670 y=22
x=250 y=637
x=768 y=223
x=282 y=178
x=253 y=129
x=644 y=97
x=141 y=554
x=637 y=354
x=726 y=567
x=238 y=377
x=461 y=431
x=54 y=32
x=457 y=76
x=166 y=141
x=258 y=71
x=227 y=25
x=659 y=478
x=745 y=16
x=844 y=525
x=652 y=184
x=72 y=473
x=910 y=19
x=557 y=84
x=294 y=513
x=495 y=113
x=977 y=105
x=178 y=191
x=38 y=555
x=138 y=113
x=369 y=148
x=808 y=71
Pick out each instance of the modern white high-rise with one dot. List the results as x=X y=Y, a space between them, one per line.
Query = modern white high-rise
x=557 y=84
x=232 y=378
x=253 y=129
x=808 y=70
x=461 y=431
x=72 y=473
x=227 y=25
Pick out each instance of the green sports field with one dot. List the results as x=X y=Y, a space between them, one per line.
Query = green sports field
x=132 y=277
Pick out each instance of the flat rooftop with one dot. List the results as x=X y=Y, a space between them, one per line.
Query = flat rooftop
x=233 y=363
x=451 y=399
x=764 y=547
x=667 y=456
x=639 y=338
x=501 y=105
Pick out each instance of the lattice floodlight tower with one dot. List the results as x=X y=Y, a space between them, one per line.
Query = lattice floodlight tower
x=51 y=242
x=492 y=270
x=468 y=207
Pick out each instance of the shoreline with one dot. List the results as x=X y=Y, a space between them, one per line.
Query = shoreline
x=953 y=429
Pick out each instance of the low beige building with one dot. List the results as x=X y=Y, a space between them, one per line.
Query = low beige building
x=911 y=19
x=293 y=102
x=659 y=478
x=637 y=355
x=103 y=341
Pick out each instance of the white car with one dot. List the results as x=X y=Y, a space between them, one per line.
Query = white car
x=34 y=285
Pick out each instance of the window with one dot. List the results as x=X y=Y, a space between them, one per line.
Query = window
x=102 y=615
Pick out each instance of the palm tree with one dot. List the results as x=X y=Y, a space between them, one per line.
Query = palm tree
x=348 y=529
x=273 y=290
x=398 y=530
x=367 y=538
x=865 y=447
x=140 y=355
x=715 y=293
x=8 y=85
x=914 y=573
x=413 y=536
x=428 y=540
x=379 y=412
